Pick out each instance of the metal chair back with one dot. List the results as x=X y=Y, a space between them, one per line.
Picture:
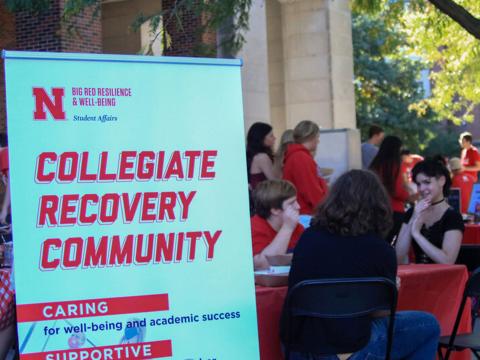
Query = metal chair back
x=346 y=298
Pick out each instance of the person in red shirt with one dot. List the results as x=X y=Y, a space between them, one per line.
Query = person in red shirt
x=301 y=169
x=470 y=157
x=275 y=226
x=409 y=161
x=388 y=166
x=463 y=181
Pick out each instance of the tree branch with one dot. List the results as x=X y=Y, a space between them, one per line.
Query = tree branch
x=460 y=15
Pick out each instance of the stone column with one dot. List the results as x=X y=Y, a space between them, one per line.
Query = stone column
x=276 y=66
x=318 y=63
x=255 y=68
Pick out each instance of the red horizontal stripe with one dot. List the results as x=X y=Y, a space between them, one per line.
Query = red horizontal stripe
x=146 y=350
x=93 y=307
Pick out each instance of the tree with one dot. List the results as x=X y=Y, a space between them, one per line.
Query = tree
x=444 y=33
x=449 y=45
x=230 y=15
x=387 y=84
x=455 y=11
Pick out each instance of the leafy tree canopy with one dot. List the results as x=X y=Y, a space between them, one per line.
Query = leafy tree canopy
x=446 y=35
x=231 y=15
x=387 y=84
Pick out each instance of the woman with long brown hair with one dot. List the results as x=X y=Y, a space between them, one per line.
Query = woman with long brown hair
x=388 y=166
x=346 y=240
x=260 y=142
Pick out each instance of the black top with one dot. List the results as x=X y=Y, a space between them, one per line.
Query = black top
x=320 y=254
x=450 y=220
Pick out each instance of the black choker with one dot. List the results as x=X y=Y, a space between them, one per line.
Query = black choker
x=437 y=202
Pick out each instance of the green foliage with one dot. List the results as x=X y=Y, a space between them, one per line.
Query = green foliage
x=27 y=5
x=445 y=143
x=386 y=83
x=230 y=15
x=76 y=7
x=444 y=45
x=455 y=56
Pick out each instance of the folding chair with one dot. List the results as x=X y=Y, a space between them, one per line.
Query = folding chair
x=347 y=298
x=471 y=341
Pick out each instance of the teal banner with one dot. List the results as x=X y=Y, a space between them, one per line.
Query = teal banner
x=129 y=207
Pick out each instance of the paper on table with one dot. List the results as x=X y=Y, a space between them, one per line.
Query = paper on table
x=273 y=270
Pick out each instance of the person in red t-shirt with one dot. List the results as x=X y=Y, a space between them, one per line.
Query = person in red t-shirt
x=388 y=166
x=275 y=227
x=301 y=169
x=409 y=161
x=462 y=181
x=470 y=157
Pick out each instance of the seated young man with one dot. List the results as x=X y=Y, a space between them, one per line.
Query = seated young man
x=275 y=227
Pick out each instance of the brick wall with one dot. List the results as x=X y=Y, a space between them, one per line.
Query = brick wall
x=86 y=33
x=186 y=40
x=39 y=32
x=8 y=42
x=46 y=32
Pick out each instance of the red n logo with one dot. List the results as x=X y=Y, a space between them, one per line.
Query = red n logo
x=43 y=100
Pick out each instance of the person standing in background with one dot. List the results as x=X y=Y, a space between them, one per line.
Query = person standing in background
x=285 y=140
x=260 y=142
x=469 y=156
x=462 y=181
x=370 y=147
x=388 y=166
x=409 y=162
x=300 y=167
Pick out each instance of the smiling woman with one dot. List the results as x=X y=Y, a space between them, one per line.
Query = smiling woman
x=435 y=228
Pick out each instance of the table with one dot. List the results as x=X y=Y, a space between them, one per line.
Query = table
x=471 y=236
x=434 y=288
x=7 y=299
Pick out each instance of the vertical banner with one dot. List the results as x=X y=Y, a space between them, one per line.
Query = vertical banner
x=129 y=207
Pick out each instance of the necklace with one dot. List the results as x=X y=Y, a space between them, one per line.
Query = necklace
x=437 y=202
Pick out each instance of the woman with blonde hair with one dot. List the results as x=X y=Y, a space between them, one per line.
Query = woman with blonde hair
x=285 y=140
x=300 y=167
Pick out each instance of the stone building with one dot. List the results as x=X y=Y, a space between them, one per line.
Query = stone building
x=297 y=59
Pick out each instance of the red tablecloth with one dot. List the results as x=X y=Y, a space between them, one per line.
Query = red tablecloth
x=7 y=299
x=434 y=288
x=471 y=236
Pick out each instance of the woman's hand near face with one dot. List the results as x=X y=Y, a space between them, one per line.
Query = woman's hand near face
x=418 y=217
x=421 y=206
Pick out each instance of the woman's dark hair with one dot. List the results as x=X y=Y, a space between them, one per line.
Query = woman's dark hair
x=433 y=168
x=440 y=158
x=255 y=137
x=356 y=205
x=387 y=162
